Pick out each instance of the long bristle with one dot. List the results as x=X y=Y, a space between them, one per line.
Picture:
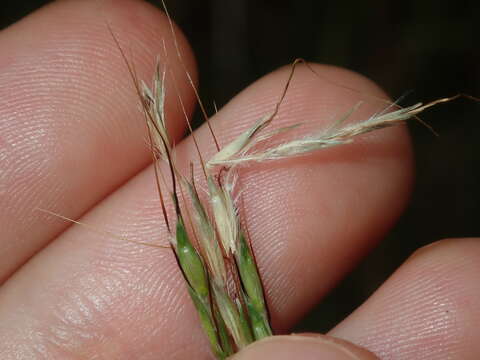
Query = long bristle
x=189 y=77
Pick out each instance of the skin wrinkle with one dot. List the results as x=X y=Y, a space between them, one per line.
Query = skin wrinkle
x=92 y=302
x=96 y=290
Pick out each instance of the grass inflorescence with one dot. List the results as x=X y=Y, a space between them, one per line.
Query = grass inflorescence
x=213 y=252
x=216 y=257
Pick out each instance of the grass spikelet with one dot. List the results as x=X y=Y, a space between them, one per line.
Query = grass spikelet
x=154 y=103
x=254 y=294
x=240 y=143
x=234 y=318
x=196 y=274
x=337 y=134
x=225 y=214
x=208 y=238
x=191 y=262
x=208 y=323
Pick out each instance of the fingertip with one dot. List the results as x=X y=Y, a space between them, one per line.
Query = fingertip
x=428 y=300
x=448 y=249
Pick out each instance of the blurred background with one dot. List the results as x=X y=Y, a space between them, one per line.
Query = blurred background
x=428 y=46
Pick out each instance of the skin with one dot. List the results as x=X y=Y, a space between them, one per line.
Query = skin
x=72 y=141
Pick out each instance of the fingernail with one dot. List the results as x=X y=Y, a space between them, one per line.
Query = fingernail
x=305 y=347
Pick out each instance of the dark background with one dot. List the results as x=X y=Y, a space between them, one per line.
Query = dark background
x=429 y=46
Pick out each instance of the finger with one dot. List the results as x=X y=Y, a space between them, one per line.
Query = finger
x=70 y=125
x=428 y=309
x=312 y=347
x=309 y=220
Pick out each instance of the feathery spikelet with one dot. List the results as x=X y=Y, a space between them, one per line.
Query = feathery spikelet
x=333 y=136
x=225 y=214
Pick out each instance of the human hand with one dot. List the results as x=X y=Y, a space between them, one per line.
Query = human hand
x=72 y=141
